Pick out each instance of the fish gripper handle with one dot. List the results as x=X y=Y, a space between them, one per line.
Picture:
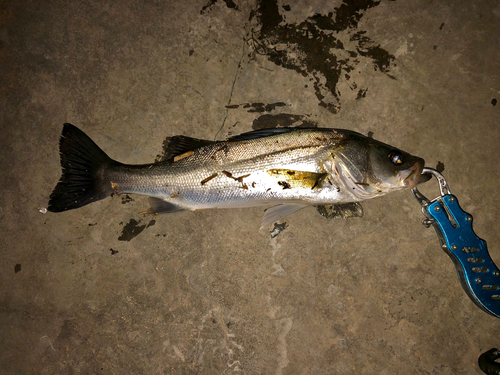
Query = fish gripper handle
x=478 y=274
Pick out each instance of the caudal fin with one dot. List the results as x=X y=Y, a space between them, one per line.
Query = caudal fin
x=83 y=164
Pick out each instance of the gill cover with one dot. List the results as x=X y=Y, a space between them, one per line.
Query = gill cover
x=368 y=168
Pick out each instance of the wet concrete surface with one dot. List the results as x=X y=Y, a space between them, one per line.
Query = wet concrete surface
x=103 y=289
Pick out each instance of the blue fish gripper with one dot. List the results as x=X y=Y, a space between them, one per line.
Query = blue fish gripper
x=478 y=274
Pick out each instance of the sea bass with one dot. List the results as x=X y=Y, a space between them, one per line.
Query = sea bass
x=286 y=168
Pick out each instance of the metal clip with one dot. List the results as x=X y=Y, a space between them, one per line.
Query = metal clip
x=443 y=187
x=479 y=276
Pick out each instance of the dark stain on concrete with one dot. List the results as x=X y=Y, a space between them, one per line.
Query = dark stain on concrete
x=282 y=120
x=361 y=94
x=311 y=49
x=340 y=211
x=307 y=124
x=258 y=107
x=68 y=330
x=133 y=229
x=127 y=199
x=440 y=167
x=208 y=7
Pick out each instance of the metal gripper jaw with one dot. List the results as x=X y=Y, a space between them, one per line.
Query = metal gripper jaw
x=479 y=276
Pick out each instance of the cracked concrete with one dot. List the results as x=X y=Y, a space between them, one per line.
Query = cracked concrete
x=103 y=289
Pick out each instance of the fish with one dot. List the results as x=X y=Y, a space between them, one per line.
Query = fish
x=284 y=169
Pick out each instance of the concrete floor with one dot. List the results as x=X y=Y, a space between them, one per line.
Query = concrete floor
x=103 y=289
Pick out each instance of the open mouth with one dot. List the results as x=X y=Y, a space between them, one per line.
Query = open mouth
x=414 y=176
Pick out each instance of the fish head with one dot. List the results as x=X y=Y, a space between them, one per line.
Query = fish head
x=368 y=168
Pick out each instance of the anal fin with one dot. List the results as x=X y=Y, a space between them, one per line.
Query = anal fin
x=160 y=207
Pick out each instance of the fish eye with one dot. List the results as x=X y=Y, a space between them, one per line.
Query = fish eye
x=396 y=157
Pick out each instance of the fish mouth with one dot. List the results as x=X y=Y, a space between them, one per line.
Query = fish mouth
x=415 y=172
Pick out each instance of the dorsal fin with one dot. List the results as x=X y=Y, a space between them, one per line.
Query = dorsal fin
x=180 y=144
x=261 y=133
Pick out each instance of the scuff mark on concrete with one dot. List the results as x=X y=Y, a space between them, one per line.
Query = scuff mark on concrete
x=178 y=353
x=283 y=326
x=278 y=268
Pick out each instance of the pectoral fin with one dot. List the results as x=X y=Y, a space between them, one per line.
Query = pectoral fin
x=275 y=213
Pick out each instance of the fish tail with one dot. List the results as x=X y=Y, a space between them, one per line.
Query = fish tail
x=83 y=172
